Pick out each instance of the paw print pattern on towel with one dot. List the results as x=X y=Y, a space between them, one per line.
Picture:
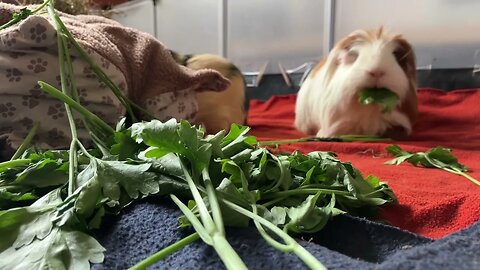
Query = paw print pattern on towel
x=119 y=110
x=7 y=109
x=101 y=115
x=29 y=102
x=38 y=93
x=27 y=123
x=55 y=135
x=107 y=100
x=181 y=107
x=88 y=73
x=56 y=111
x=14 y=75
x=59 y=82
x=79 y=123
x=122 y=86
x=173 y=97
x=33 y=100
x=156 y=104
x=41 y=49
x=83 y=95
x=105 y=63
x=38 y=65
x=16 y=55
x=11 y=42
x=6 y=129
x=101 y=84
x=38 y=33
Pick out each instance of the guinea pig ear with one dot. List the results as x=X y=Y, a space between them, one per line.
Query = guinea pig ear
x=406 y=59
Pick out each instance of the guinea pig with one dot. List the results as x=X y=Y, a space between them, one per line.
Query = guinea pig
x=327 y=103
x=217 y=110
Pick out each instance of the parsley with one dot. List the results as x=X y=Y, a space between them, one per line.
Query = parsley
x=437 y=157
x=383 y=97
x=340 y=138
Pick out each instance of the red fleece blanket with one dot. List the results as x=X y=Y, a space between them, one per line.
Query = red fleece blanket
x=432 y=202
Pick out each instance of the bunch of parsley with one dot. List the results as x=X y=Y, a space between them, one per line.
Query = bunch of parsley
x=230 y=179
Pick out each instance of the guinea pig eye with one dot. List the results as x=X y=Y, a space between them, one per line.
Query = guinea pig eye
x=399 y=55
x=351 y=56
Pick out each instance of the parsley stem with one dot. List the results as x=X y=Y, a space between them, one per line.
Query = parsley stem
x=165 y=252
x=44 y=4
x=215 y=239
x=212 y=199
x=302 y=191
x=475 y=181
x=105 y=128
x=13 y=163
x=84 y=150
x=211 y=230
x=26 y=142
x=342 y=138
x=72 y=167
x=226 y=253
x=300 y=140
x=274 y=201
x=292 y=245
x=194 y=221
x=381 y=190
x=97 y=70
x=127 y=103
x=65 y=76
x=23 y=14
x=202 y=208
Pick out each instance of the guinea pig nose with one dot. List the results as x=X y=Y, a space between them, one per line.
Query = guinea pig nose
x=376 y=73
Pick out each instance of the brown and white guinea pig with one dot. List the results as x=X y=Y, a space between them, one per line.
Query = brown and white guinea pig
x=217 y=110
x=327 y=102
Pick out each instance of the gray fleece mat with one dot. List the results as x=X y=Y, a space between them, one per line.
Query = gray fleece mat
x=345 y=243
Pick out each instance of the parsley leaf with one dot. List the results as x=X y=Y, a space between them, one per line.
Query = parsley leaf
x=385 y=98
x=437 y=157
x=108 y=179
x=20 y=226
x=60 y=249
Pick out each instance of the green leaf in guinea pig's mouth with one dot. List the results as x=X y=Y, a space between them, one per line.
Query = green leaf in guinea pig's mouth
x=381 y=96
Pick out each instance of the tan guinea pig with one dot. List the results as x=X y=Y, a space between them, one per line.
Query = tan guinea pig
x=327 y=103
x=218 y=110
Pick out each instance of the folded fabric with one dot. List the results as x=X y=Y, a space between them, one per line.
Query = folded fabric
x=432 y=202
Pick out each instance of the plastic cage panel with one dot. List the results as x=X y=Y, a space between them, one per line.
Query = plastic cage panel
x=283 y=32
x=445 y=33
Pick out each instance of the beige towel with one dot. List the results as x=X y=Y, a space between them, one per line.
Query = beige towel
x=136 y=61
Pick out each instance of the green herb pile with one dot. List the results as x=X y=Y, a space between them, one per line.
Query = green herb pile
x=386 y=99
x=232 y=182
x=51 y=200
